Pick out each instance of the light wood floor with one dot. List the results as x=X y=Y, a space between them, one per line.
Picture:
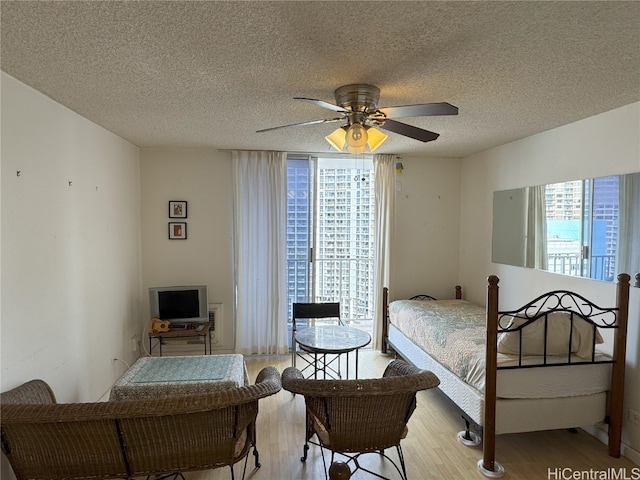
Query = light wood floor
x=431 y=449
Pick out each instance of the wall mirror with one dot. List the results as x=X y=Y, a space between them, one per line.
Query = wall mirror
x=588 y=228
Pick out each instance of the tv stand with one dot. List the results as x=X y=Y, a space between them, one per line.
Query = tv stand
x=182 y=330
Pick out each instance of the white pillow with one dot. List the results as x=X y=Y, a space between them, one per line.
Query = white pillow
x=558 y=326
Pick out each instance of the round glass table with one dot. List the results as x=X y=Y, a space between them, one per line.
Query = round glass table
x=326 y=340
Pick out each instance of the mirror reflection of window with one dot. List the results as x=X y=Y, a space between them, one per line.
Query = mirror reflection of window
x=588 y=228
x=565 y=229
x=582 y=221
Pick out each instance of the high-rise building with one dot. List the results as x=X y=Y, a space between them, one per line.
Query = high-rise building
x=299 y=220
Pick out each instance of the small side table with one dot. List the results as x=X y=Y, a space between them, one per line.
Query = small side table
x=202 y=330
x=331 y=339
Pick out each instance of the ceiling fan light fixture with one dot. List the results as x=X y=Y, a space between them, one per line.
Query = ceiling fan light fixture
x=337 y=138
x=357 y=136
x=376 y=138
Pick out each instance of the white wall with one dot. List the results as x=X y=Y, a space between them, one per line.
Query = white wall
x=203 y=178
x=606 y=144
x=427 y=228
x=70 y=254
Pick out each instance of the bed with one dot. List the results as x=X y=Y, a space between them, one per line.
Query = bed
x=534 y=368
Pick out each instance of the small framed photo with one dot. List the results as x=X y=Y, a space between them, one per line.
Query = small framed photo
x=177 y=230
x=177 y=209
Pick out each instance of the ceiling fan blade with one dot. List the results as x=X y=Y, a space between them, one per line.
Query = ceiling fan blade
x=409 y=131
x=420 y=110
x=312 y=122
x=322 y=104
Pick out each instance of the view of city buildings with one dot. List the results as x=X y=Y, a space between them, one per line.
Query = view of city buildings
x=341 y=239
x=582 y=227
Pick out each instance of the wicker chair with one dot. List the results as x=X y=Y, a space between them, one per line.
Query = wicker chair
x=44 y=439
x=354 y=417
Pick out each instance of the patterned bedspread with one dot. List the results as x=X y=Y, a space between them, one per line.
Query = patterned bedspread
x=452 y=331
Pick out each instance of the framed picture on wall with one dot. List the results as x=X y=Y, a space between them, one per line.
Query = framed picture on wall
x=177 y=209
x=177 y=230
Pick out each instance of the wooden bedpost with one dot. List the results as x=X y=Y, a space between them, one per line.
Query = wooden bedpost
x=385 y=319
x=617 y=373
x=488 y=465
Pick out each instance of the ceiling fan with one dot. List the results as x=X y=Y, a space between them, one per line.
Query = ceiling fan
x=357 y=106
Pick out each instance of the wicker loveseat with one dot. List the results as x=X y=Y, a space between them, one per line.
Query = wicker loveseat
x=46 y=440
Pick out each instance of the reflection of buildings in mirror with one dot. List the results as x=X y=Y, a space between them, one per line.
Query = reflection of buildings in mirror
x=591 y=227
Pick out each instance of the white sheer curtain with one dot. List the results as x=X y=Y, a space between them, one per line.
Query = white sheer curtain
x=536 y=247
x=385 y=188
x=628 y=260
x=260 y=227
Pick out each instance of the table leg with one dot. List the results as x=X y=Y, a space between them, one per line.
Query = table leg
x=347 y=354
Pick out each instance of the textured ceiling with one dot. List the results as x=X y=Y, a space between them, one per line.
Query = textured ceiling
x=209 y=74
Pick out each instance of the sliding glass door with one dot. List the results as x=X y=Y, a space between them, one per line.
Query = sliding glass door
x=330 y=235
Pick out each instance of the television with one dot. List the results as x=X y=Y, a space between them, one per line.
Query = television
x=179 y=305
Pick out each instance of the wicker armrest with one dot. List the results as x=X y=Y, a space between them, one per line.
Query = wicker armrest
x=399 y=368
x=31 y=392
x=291 y=373
x=270 y=376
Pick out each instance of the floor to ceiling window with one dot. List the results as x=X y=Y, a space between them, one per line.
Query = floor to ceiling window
x=330 y=234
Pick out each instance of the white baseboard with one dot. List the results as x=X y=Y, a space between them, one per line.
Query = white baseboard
x=625 y=450
x=630 y=453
